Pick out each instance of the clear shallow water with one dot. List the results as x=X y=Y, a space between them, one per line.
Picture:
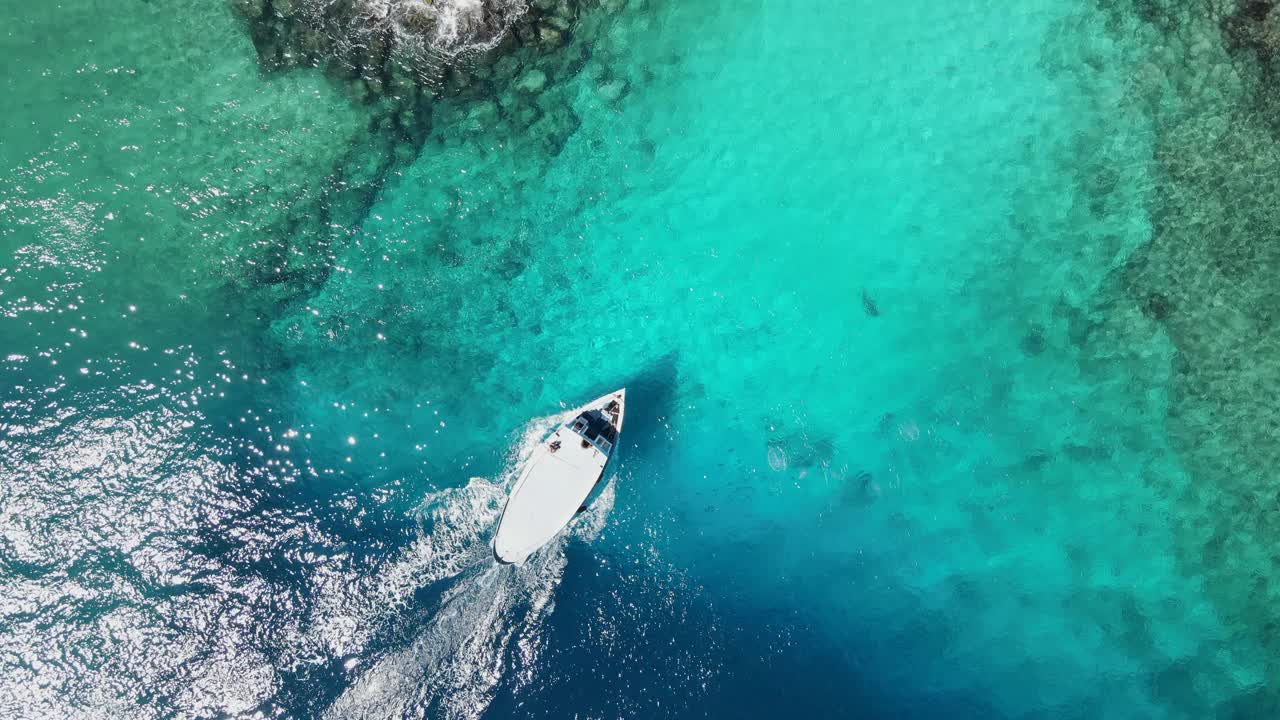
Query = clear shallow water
x=898 y=446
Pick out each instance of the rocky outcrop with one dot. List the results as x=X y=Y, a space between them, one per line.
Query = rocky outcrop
x=405 y=51
x=511 y=104
x=1255 y=24
x=429 y=72
x=443 y=70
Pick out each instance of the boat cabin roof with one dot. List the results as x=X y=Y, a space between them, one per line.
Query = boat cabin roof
x=597 y=428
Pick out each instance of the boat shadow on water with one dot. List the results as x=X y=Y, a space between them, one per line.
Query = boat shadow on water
x=651 y=394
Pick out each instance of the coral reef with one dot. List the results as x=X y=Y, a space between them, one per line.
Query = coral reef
x=428 y=74
x=1210 y=278
x=1255 y=26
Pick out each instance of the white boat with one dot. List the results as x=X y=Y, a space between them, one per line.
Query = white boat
x=558 y=477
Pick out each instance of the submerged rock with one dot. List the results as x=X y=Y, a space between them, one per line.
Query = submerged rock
x=613 y=90
x=532 y=81
x=550 y=36
x=252 y=9
x=506 y=68
x=428 y=39
x=1255 y=25
x=1033 y=341
x=526 y=115
x=482 y=116
x=1207 y=279
x=498 y=74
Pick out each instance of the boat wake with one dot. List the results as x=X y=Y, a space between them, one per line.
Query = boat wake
x=488 y=617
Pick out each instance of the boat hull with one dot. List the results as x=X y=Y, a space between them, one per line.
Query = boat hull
x=558 y=477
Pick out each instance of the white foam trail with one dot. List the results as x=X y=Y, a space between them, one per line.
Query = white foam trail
x=590 y=524
x=354 y=602
x=453 y=526
x=451 y=669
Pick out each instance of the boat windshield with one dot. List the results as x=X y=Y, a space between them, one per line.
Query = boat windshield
x=596 y=428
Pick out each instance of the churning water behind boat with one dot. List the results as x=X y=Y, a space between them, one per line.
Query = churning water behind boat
x=489 y=619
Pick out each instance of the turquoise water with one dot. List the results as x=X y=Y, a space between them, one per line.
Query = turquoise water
x=912 y=432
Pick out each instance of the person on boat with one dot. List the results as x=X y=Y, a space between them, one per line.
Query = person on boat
x=555 y=445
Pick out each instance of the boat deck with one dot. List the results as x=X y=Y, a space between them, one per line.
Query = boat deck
x=554 y=485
